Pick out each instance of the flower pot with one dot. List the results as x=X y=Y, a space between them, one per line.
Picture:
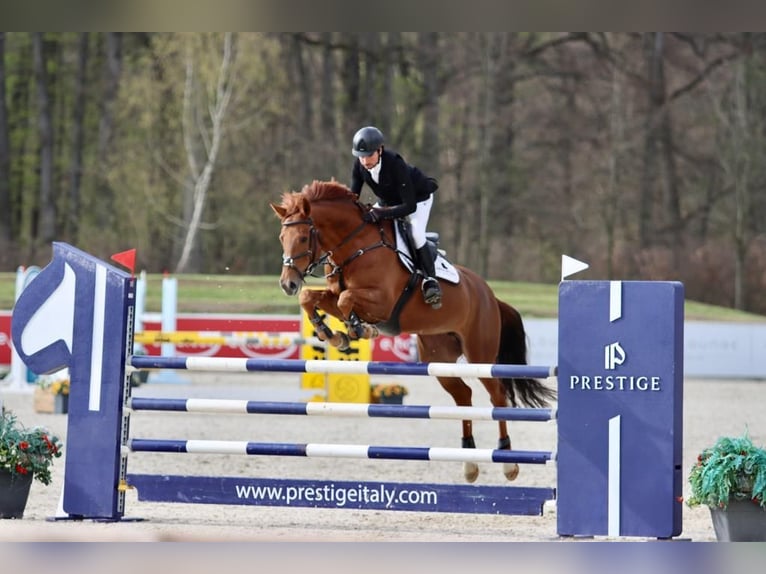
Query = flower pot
x=392 y=400
x=741 y=521
x=47 y=402
x=14 y=492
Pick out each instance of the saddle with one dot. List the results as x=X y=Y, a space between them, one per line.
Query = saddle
x=405 y=247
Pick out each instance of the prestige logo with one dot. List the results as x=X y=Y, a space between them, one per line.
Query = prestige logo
x=615 y=356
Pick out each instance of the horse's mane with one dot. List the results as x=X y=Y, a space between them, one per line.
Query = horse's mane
x=293 y=202
x=327 y=190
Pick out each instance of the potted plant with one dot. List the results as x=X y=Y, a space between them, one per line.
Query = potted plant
x=389 y=393
x=730 y=478
x=52 y=393
x=25 y=454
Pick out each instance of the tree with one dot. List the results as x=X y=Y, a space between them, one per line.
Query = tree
x=203 y=135
x=5 y=154
x=78 y=138
x=742 y=143
x=111 y=84
x=46 y=202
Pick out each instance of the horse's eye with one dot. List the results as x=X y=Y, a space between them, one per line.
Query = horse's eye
x=304 y=239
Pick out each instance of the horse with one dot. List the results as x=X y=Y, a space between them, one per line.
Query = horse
x=368 y=288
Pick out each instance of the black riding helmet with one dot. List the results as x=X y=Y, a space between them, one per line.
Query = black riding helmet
x=367 y=141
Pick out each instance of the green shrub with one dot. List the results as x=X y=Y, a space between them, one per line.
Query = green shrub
x=732 y=469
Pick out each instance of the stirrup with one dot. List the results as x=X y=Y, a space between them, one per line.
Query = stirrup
x=432 y=293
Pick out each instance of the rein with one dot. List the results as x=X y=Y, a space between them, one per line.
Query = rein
x=326 y=257
x=338 y=267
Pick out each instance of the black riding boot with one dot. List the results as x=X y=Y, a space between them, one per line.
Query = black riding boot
x=432 y=293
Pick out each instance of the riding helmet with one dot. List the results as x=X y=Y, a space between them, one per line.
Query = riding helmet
x=367 y=141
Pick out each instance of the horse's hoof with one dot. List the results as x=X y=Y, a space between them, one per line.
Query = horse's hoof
x=344 y=342
x=510 y=470
x=470 y=471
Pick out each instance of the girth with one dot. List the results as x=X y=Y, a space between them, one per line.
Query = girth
x=391 y=325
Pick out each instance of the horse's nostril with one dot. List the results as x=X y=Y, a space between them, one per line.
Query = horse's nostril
x=289 y=287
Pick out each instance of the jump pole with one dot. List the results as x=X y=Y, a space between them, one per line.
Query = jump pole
x=619 y=415
x=334 y=386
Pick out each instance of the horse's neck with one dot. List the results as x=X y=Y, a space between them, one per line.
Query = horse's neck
x=342 y=246
x=344 y=235
x=335 y=228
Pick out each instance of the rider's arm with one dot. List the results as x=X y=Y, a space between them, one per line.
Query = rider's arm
x=403 y=183
x=357 y=179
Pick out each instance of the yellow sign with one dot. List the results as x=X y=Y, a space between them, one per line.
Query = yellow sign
x=339 y=388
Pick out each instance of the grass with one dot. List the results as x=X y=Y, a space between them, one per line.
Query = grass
x=261 y=294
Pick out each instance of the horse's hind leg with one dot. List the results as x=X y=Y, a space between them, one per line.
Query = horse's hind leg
x=446 y=349
x=461 y=394
x=499 y=398
x=481 y=347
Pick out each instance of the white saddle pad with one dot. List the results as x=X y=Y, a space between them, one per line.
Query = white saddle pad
x=444 y=269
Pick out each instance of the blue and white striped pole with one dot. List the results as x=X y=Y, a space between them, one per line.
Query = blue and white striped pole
x=213 y=364
x=356 y=410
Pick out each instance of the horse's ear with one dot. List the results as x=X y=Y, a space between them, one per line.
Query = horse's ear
x=279 y=210
x=304 y=206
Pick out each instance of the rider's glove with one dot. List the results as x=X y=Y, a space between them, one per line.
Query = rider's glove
x=372 y=216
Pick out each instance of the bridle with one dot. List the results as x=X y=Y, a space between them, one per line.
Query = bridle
x=315 y=259
x=289 y=261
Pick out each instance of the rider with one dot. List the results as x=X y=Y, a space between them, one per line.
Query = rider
x=403 y=191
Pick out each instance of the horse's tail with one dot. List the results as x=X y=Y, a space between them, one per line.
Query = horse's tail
x=513 y=351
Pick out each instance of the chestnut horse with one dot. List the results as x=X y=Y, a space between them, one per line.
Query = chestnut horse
x=322 y=226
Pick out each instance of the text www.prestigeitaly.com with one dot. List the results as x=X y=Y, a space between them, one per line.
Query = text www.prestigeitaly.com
x=339 y=495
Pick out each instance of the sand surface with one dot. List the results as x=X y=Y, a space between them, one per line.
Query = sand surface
x=711 y=408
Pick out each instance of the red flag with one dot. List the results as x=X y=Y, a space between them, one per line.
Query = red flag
x=126 y=259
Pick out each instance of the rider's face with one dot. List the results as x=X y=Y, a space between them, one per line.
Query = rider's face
x=371 y=160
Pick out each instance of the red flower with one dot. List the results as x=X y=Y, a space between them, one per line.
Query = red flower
x=51 y=447
x=21 y=470
x=23 y=445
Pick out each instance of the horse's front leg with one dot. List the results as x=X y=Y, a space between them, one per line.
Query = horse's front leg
x=349 y=300
x=359 y=330
x=325 y=300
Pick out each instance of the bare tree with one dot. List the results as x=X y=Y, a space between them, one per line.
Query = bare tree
x=660 y=164
x=203 y=140
x=47 y=206
x=327 y=91
x=78 y=139
x=112 y=73
x=742 y=144
x=5 y=153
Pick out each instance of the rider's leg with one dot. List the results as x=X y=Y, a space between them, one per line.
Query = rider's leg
x=432 y=293
x=418 y=221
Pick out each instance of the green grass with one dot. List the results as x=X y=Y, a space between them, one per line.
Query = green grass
x=261 y=294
